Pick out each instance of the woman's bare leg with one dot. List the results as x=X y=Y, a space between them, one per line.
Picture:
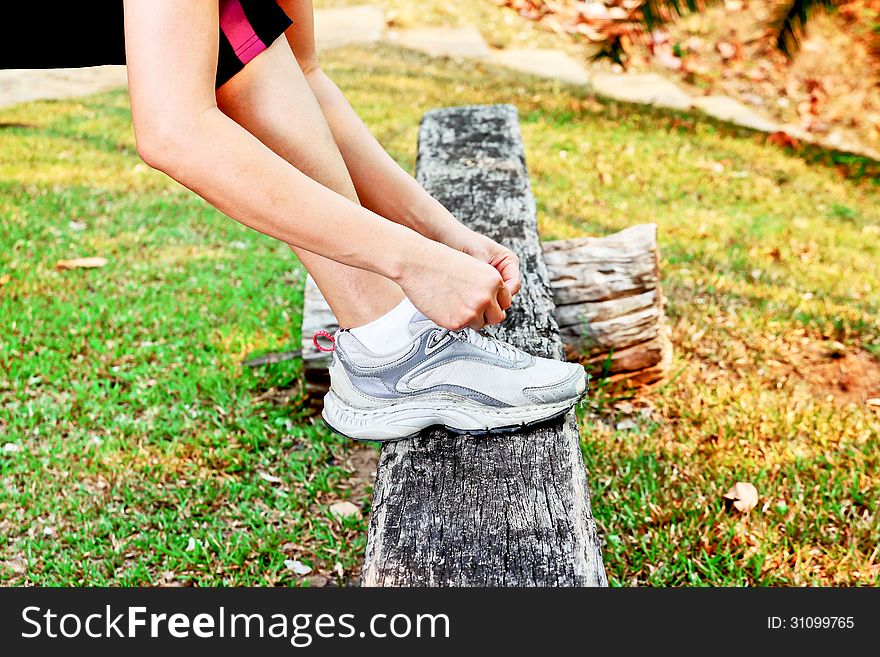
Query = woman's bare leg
x=271 y=99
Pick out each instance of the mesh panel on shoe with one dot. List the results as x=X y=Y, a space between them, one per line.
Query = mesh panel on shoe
x=356 y=351
x=502 y=384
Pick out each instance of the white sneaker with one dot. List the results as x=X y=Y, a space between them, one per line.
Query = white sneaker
x=462 y=380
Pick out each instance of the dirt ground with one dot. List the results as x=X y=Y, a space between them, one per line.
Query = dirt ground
x=834 y=372
x=831 y=87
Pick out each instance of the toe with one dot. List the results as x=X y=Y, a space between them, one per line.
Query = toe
x=569 y=382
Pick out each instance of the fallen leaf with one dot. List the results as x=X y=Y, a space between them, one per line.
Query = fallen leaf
x=668 y=60
x=16 y=565
x=783 y=140
x=835 y=349
x=77 y=226
x=624 y=408
x=338 y=569
x=344 y=509
x=191 y=545
x=265 y=476
x=4 y=279
x=11 y=448
x=874 y=401
x=297 y=566
x=743 y=496
x=81 y=263
x=290 y=548
x=169 y=580
x=726 y=50
x=318 y=581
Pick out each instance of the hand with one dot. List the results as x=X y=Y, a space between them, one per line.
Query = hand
x=505 y=261
x=452 y=288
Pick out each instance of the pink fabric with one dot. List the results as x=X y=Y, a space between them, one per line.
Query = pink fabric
x=239 y=32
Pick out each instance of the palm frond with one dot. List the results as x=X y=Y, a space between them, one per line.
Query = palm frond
x=657 y=12
x=644 y=19
x=788 y=21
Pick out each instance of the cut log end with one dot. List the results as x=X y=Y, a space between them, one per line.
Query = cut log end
x=609 y=304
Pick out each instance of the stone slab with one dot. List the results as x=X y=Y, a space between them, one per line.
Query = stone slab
x=455 y=42
x=348 y=25
x=543 y=62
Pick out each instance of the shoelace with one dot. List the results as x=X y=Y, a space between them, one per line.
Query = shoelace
x=480 y=341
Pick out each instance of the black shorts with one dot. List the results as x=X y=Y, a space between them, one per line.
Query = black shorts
x=247 y=28
x=91 y=33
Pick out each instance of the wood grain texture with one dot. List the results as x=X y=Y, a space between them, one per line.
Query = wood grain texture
x=609 y=304
x=487 y=511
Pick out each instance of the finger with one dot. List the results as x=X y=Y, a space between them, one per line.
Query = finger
x=493 y=314
x=509 y=270
x=515 y=286
x=504 y=299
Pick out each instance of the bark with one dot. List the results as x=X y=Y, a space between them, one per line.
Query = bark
x=501 y=510
x=609 y=305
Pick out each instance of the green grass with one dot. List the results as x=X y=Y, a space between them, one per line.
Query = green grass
x=138 y=430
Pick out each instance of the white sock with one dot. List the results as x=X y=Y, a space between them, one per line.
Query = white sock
x=390 y=332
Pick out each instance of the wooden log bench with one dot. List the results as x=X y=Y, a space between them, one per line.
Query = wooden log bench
x=514 y=510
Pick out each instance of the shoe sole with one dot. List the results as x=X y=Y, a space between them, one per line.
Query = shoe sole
x=390 y=424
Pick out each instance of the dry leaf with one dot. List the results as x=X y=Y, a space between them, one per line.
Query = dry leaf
x=668 y=60
x=265 y=476
x=344 y=509
x=297 y=566
x=81 y=263
x=4 y=279
x=783 y=140
x=743 y=496
x=16 y=565
x=726 y=50
x=874 y=401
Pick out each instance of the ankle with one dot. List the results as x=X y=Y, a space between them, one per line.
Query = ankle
x=389 y=332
